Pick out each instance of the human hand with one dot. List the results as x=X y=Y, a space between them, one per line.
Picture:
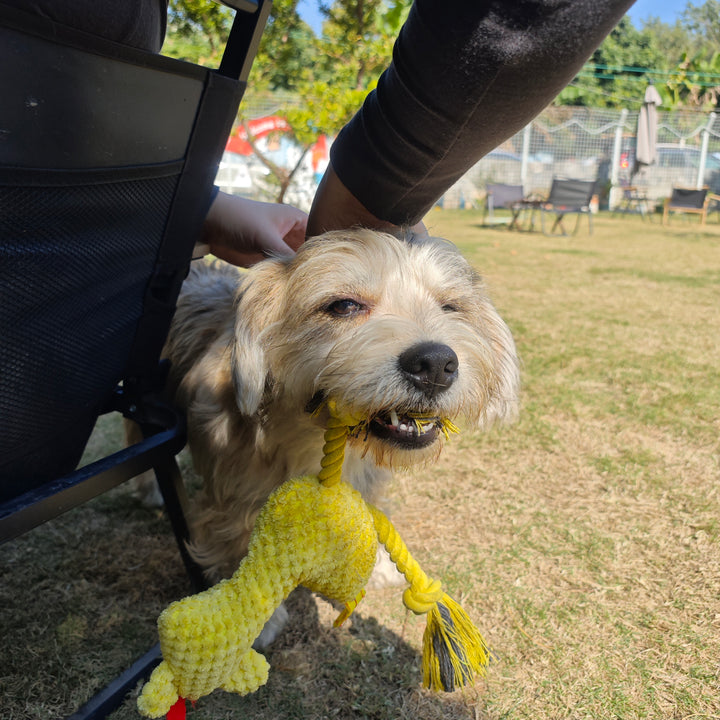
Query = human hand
x=336 y=208
x=243 y=232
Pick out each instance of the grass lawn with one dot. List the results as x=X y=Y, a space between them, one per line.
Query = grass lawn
x=584 y=540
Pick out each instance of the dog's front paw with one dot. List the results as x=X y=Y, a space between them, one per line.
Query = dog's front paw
x=146 y=489
x=273 y=627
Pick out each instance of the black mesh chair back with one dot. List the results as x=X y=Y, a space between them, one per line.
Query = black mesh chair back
x=568 y=196
x=107 y=161
x=688 y=201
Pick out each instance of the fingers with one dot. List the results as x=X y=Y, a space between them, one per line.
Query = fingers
x=242 y=231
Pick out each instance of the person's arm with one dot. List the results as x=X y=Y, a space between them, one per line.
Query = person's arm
x=465 y=76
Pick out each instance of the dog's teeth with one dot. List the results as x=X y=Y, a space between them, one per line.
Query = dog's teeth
x=403 y=427
x=394 y=420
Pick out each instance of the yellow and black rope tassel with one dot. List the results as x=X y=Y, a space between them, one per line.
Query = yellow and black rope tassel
x=454 y=651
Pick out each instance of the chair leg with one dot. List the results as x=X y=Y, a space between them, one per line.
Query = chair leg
x=514 y=223
x=174 y=495
x=112 y=696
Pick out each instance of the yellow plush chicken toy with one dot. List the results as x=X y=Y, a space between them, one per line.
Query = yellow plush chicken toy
x=313 y=531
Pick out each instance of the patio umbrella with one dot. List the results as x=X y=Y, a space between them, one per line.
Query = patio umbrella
x=646 y=141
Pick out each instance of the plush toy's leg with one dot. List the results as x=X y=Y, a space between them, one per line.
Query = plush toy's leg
x=252 y=673
x=159 y=693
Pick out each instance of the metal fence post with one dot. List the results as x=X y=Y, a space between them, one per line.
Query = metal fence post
x=527 y=131
x=615 y=191
x=700 y=181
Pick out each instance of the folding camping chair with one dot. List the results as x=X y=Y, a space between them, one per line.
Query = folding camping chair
x=107 y=162
x=568 y=197
x=501 y=196
x=634 y=200
x=689 y=201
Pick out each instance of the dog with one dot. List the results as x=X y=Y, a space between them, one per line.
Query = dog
x=389 y=329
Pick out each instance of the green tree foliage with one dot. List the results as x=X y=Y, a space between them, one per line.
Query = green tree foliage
x=675 y=40
x=704 y=22
x=680 y=60
x=197 y=30
x=616 y=73
x=286 y=50
x=331 y=74
x=694 y=83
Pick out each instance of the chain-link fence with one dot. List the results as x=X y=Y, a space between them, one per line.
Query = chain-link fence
x=593 y=144
x=569 y=142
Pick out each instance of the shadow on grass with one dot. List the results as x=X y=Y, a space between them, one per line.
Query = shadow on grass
x=362 y=671
x=79 y=599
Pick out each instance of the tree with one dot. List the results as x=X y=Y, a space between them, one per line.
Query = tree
x=329 y=75
x=680 y=60
x=675 y=40
x=197 y=30
x=618 y=71
x=286 y=49
x=338 y=70
x=704 y=22
x=694 y=83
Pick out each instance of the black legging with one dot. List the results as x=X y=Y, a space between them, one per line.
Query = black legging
x=465 y=76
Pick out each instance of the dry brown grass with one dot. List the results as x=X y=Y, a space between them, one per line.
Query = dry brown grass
x=584 y=540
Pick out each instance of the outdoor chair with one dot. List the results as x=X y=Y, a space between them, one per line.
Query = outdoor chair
x=568 y=197
x=687 y=201
x=634 y=200
x=713 y=205
x=500 y=196
x=107 y=162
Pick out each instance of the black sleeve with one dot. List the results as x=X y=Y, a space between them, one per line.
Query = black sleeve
x=138 y=23
x=465 y=75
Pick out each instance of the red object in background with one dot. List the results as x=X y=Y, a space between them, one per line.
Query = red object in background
x=319 y=152
x=260 y=127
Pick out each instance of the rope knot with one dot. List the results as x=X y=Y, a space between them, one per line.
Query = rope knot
x=421 y=598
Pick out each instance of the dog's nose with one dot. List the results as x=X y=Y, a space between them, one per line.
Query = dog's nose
x=430 y=367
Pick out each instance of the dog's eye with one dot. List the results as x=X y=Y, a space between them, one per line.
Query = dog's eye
x=450 y=308
x=345 y=307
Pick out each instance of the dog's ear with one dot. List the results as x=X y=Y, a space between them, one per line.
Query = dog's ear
x=257 y=306
x=504 y=402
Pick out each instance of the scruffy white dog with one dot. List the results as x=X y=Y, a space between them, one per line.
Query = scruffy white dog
x=388 y=328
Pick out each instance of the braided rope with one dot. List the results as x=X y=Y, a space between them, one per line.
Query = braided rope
x=424 y=592
x=336 y=433
x=333 y=452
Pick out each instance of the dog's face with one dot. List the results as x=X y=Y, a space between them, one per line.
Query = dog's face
x=400 y=334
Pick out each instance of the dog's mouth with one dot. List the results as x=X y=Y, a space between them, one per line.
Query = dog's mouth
x=408 y=430
x=412 y=431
